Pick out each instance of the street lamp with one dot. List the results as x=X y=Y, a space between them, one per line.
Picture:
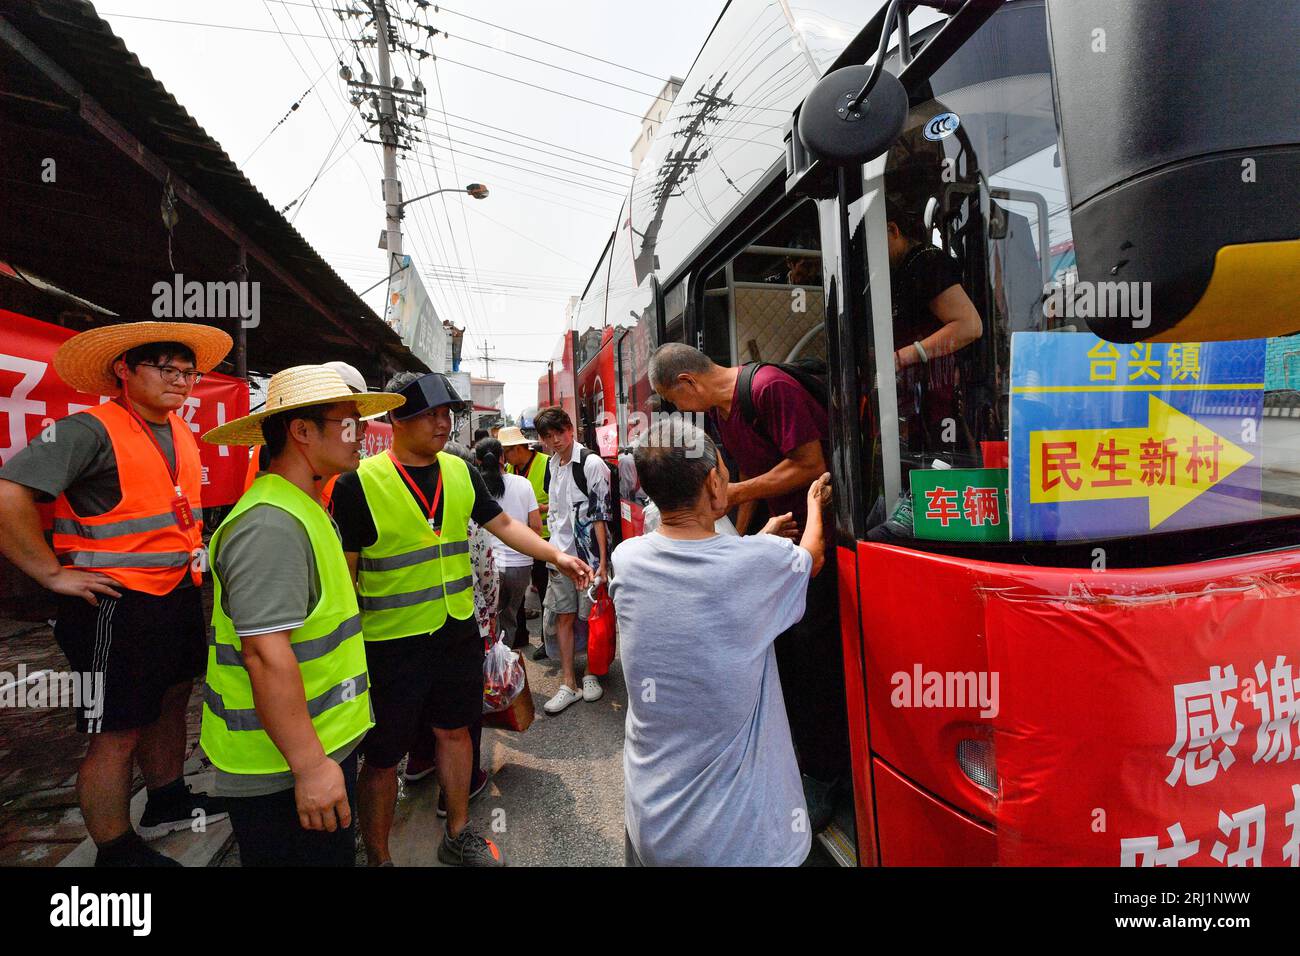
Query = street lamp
x=476 y=190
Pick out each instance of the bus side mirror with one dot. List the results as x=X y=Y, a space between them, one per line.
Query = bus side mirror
x=841 y=136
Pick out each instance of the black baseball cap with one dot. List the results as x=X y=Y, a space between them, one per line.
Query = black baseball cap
x=429 y=391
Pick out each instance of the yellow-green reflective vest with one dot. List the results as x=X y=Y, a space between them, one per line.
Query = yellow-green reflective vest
x=411 y=579
x=331 y=654
x=537 y=478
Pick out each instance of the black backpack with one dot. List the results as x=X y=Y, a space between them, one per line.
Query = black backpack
x=613 y=526
x=809 y=373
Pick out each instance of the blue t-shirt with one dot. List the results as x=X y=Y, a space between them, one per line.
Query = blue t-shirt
x=709 y=768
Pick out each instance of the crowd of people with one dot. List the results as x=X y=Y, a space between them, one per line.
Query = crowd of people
x=354 y=597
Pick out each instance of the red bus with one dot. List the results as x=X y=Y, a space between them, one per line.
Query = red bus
x=1100 y=668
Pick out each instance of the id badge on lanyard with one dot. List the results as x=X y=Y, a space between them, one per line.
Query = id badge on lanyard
x=182 y=511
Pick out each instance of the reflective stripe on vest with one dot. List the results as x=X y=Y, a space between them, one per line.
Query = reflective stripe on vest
x=137 y=542
x=246 y=719
x=537 y=478
x=411 y=579
x=328 y=647
x=304 y=651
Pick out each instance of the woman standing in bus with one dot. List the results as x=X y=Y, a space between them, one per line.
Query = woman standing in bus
x=933 y=319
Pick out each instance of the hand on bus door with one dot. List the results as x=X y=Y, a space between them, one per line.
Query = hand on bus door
x=819 y=492
x=783 y=526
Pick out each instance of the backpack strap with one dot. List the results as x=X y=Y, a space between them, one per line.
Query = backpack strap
x=746 y=390
x=579 y=473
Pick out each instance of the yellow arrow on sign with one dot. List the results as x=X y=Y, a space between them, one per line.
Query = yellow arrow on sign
x=1171 y=461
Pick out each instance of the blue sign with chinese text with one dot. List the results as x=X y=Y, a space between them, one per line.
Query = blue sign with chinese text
x=1110 y=439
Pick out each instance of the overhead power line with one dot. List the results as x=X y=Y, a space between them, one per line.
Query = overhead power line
x=466 y=16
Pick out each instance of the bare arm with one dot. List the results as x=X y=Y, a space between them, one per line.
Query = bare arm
x=23 y=542
x=351 y=558
x=744 y=513
x=602 y=545
x=535 y=521
x=961 y=326
x=795 y=472
x=814 y=539
x=526 y=541
x=281 y=704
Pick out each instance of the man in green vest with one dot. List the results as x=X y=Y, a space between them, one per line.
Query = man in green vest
x=287 y=696
x=404 y=519
x=521 y=459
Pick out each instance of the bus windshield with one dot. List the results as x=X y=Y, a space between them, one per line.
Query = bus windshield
x=1007 y=419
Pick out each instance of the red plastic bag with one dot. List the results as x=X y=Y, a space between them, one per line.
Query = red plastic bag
x=601 y=631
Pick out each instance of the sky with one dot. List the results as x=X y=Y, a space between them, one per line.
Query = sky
x=557 y=167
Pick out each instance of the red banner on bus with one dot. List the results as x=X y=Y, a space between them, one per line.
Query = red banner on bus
x=32 y=396
x=1159 y=728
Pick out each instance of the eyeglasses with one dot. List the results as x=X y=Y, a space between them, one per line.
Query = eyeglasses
x=172 y=375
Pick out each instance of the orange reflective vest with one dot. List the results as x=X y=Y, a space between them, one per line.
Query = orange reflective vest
x=139 y=543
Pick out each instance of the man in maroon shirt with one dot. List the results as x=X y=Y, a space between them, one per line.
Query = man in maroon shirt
x=782 y=451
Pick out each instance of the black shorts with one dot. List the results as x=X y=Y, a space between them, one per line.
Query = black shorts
x=143 y=644
x=427 y=680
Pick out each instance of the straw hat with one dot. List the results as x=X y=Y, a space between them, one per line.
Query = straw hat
x=299 y=387
x=511 y=435
x=85 y=361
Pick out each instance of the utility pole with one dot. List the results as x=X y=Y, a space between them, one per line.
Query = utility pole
x=388 y=136
x=485 y=354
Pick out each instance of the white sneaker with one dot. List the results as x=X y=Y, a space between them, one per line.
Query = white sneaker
x=591 y=689
x=562 y=699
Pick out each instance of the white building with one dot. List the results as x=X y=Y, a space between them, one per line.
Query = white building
x=654 y=118
x=489 y=401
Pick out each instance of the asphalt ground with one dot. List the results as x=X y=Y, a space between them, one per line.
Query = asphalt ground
x=555 y=796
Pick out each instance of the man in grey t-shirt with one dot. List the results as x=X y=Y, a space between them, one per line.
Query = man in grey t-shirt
x=709 y=767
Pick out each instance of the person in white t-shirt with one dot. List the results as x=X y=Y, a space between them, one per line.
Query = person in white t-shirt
x=515 y=495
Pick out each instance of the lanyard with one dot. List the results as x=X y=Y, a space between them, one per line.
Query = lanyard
x=410 y=482
x=173 y=470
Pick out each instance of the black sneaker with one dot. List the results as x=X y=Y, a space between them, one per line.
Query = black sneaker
x=180 y=814
x=475 y=788
x=540 y=653
x=469 y=849
x=132 y=851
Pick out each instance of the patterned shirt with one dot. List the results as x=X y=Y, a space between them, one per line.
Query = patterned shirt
x=572 y=516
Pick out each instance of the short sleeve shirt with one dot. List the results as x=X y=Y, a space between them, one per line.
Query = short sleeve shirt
x=75 y=455
x=572 y=516
x=786 y=416
x=709 y=766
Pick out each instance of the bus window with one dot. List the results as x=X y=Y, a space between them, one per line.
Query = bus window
x=980 y=263
x=765 y=305
x=675 y=312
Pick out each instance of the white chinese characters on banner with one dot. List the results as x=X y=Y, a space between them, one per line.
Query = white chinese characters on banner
x=1279 y=713
x=1206 y=730
x=1146 y=851
x=1247 y=825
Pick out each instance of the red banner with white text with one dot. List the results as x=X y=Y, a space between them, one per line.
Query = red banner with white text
x=1159 y=727
x=32 y=396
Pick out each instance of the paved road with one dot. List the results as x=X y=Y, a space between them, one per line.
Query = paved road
x=556 y=793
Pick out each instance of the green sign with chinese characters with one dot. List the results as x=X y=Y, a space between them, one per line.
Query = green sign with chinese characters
x=960 y=504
